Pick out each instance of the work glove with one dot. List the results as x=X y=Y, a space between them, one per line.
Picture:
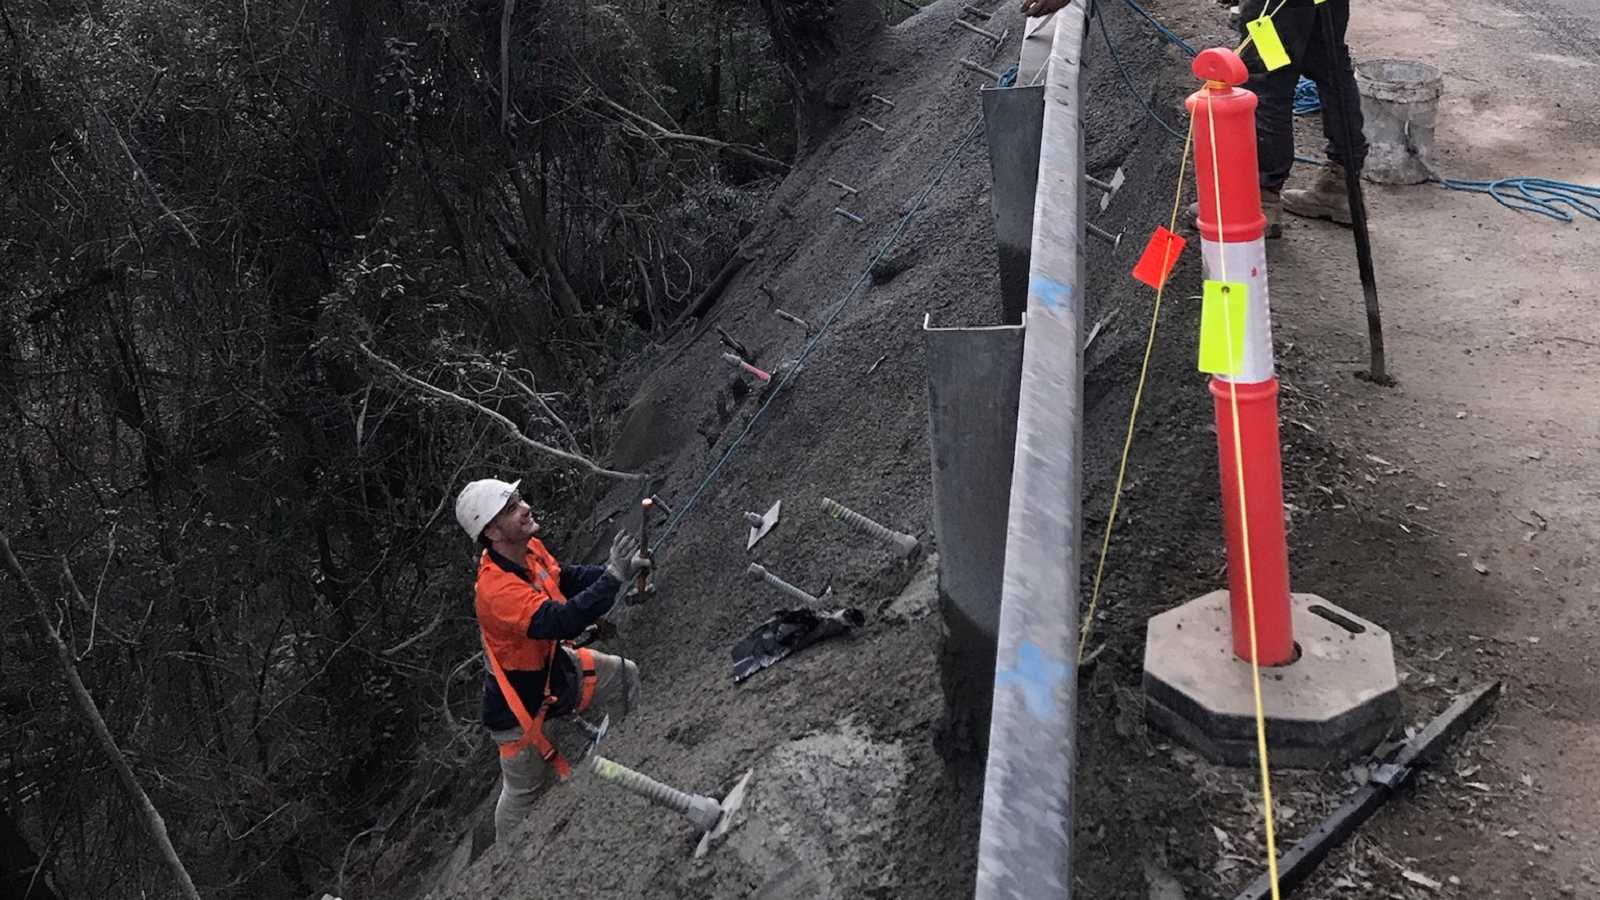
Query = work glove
x=626 y=557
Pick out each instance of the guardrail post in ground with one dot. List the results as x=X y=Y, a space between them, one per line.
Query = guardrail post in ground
x=1334 y=694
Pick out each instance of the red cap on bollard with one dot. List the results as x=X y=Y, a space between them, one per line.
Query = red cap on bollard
x=1222 y=65
x=1226 y=178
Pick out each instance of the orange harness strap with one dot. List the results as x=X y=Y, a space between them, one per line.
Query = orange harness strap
x=590 y=678
x=533 y=725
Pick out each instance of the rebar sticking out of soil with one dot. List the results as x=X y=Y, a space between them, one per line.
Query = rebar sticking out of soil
x=758 y=572
x=981 y=32
x=1115 y=240
x=844 y=187
x=980 y=69
x=761 y=375
x=884 y=100
x=974 y=11
x=792 y=318
x=841 y=211
x=871 y=124
x=901 y=541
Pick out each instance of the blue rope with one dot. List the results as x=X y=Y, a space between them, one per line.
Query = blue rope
x=866 y=273
x=1009 y=78
x=1543 y=196
x=1176 y=41
x=1306 y=98
x=1121 y=70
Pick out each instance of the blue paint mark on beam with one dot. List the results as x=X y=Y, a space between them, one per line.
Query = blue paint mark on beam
x=1053 y=294
x=1037 y=675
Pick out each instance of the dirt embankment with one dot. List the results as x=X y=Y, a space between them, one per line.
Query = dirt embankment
x=849 y=797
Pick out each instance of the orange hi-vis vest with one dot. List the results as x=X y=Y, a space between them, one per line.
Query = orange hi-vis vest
x=505 y=606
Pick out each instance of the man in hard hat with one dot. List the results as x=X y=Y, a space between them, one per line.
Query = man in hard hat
x=529 y=606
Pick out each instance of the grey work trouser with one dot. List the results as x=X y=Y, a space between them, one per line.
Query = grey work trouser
x=526 y=776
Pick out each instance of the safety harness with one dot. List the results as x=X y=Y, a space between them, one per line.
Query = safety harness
x=533 y=725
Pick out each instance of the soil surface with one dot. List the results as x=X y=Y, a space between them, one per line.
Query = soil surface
x=1481 y=459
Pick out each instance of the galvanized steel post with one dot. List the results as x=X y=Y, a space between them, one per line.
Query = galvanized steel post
x=1025 y=841
x=973 y=378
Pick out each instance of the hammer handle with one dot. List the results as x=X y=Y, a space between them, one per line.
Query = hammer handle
x=643 y=577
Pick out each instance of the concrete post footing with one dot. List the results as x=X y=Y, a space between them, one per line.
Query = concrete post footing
x=1338 y=700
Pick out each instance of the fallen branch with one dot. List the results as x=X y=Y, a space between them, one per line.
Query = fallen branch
x=506 y=423
x=153 y=822
x=667 y=134
x=713 y=291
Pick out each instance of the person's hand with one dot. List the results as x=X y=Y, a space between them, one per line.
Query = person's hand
x=1033 y=8
x=625 y=557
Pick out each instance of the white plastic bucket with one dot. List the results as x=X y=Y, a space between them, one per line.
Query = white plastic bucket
x=1399 y=104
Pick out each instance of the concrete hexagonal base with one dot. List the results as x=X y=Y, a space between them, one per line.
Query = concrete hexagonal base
x=1337 y=701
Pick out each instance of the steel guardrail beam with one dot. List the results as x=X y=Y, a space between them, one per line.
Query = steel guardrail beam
x=1025 y=841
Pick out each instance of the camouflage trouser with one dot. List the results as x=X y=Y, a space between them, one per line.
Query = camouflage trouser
x=526 y=776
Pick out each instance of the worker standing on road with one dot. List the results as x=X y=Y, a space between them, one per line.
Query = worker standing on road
x=1330 y=69
x=529 y=608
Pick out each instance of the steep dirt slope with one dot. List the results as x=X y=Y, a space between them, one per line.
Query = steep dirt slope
x=841 y=432
x=851 y=721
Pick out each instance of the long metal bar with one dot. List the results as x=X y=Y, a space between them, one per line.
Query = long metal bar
x=1025 y=837
x=1300 y=862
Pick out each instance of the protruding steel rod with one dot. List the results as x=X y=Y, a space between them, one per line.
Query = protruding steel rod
x=871 y=124
x=791 y=317
x=843 y=187
x=882 y=99
x=981 y=70
x=903 y=542
x=1097 y=183
x=760 y=374
x=1115 y=240
x=841 y=211
x=759 y=572
x=974 y=11
x=981 y=32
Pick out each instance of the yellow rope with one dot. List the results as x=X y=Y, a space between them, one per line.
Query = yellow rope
x=1138 y=396
x=1244 y=530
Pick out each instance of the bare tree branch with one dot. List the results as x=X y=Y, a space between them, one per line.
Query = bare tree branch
x=667 y=134
x=91 y=714
x=506 y=423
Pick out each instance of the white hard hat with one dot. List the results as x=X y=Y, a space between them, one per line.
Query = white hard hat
x=481 y=501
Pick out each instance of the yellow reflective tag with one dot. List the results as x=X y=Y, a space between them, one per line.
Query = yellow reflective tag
x=1270 y=47
x=1222 y=314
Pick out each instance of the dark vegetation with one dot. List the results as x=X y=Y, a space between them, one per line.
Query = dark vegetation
x=216 y=222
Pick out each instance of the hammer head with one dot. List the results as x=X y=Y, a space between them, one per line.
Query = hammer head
x=730 y=806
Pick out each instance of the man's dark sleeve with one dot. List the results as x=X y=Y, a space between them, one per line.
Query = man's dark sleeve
x=576 y=579
x=565 y=621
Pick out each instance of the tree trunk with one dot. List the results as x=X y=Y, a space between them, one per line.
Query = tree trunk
x=823 y=47
x=544 y=244
x=91 y=714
